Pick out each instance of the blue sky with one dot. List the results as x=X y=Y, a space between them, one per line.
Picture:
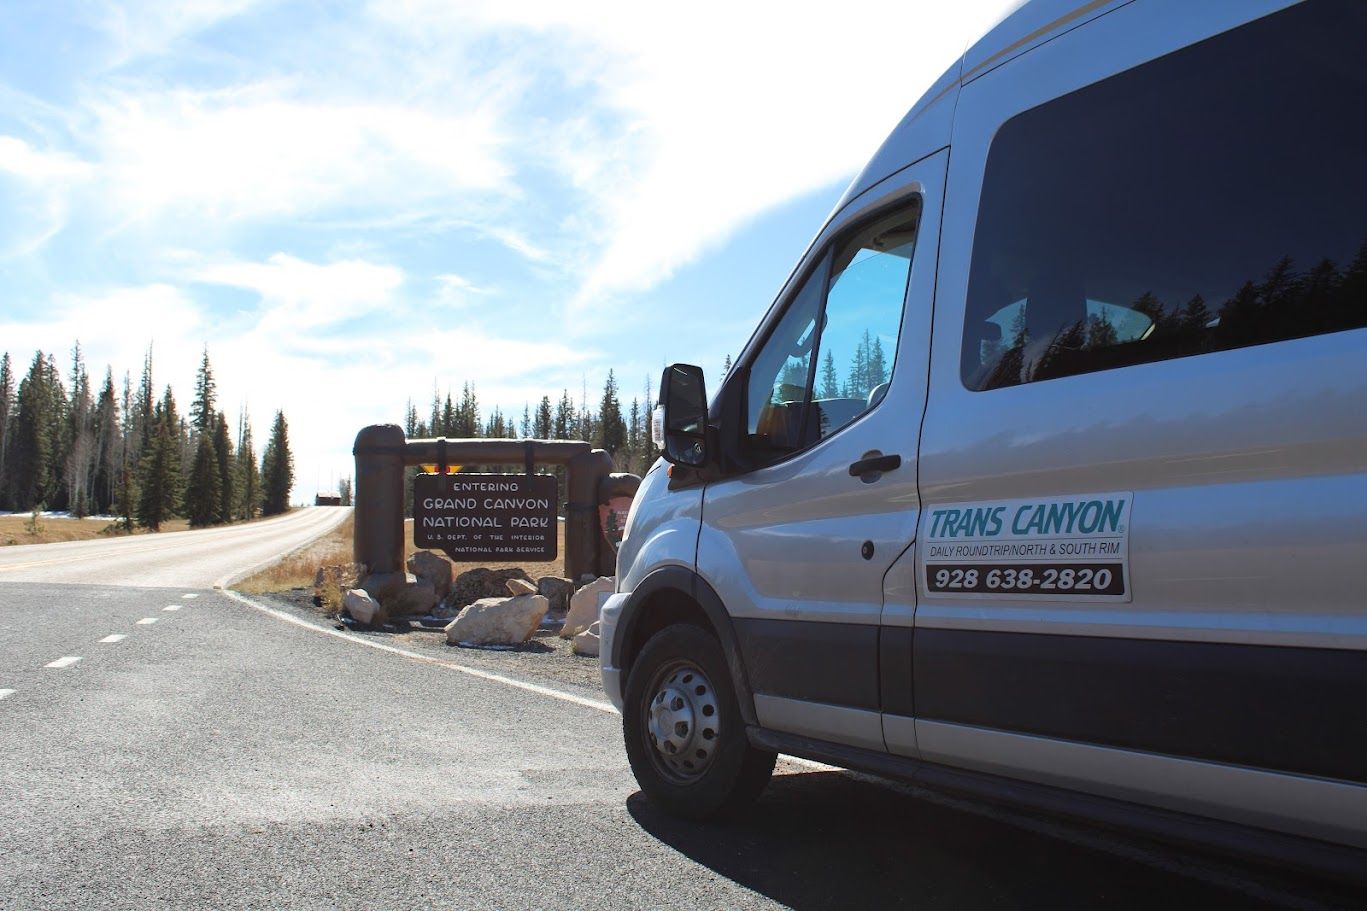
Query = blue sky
x=350 y=202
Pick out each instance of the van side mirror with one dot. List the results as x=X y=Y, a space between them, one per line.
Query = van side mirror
x=683 y=401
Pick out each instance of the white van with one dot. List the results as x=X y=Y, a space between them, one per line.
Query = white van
x=1045 y=476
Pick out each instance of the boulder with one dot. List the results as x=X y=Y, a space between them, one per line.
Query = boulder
x=520 y=587
x=584 y=606
x=381 y=585
x=432 y=568
x=474 y=584
x=414 y=598
x=497 y=621
x=586 y=643
x=558 y=592
x=362 y=607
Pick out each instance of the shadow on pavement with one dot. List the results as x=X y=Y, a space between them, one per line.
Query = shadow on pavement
x=827 y=840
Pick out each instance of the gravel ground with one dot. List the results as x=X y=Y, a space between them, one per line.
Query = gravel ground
x=546 y=658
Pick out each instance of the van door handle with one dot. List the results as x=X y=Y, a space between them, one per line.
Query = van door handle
x=871 y=467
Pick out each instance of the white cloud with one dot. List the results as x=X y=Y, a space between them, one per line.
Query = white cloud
x=256 y=153
x=22 y=160
x=300 y=297
x=720 y=112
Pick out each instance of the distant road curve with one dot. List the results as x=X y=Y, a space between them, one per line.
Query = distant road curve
x=183 y=559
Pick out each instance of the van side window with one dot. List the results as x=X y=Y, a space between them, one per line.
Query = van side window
x=829 y=359
x=1212 y=199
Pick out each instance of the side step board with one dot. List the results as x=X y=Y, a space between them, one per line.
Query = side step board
x=1339 y=862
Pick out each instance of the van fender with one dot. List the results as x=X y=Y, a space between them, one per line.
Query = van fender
x=683 y=581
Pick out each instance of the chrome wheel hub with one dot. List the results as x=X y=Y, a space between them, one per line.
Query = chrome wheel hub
x=682 y=720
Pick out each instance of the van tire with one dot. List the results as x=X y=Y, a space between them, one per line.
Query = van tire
x=728 y=777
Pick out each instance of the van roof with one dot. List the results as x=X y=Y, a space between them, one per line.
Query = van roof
x=926 y=127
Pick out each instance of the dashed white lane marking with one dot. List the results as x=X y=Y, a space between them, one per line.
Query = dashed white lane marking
x=461 y=669
x=4 y=693
x=116 y=637
x=147 y=621
x=171 y=607
x=188 y=597
x=68 y=661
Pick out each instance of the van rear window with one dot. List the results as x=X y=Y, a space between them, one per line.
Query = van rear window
x=1212 y=199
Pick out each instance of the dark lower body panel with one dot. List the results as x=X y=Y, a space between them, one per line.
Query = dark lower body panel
x=1342 y=863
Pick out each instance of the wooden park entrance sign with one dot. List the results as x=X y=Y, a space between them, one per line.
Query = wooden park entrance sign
x=486 y=517
x=498 y=518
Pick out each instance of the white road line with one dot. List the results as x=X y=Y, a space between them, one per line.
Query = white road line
x=4 y=693
x=116 y=637
x=188 y=597
x=147 y=621
x=68 y=661
x=537 y=688
x=171 y=607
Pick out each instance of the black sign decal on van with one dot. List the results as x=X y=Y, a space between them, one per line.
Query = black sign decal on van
x=1075 y=548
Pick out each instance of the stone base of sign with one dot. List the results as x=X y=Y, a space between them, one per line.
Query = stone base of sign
x=497 y=621
x=558 y=592
x=474 y=584
x=430 y=567
x=363 y=608
x=584 y=606
x=382 y=586
x=586 y=643
x=415 y=599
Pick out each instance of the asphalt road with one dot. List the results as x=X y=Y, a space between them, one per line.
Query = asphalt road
x=189 y=559
x=236 y=756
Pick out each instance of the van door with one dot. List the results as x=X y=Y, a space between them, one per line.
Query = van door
x=832 y=390
x=1144 y=459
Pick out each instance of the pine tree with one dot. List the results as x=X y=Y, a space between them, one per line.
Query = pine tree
x=78 y=440
x=159 y=472
x=202 y=414
x=830 y=380
x=277 y=469
x=108 y=447
x=144 y=425
x=564 y=416
x=526 y=427
x=32 y=447
x=410 y=422
x=226 y=467
x=726 y=366
x=204 y=493
x=544 y=425
x=612 y=430
x=249 y=476
x=878 y=365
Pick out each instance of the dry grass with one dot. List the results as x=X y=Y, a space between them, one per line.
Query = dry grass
x=297 y=569
x=21 y=529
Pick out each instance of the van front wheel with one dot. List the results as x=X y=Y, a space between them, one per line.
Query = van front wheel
x=684 y=735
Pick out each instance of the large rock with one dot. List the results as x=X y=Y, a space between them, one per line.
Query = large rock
x=497 y=621
x=362 y=607
x=432 y=568
x=414 y=598
x=584 y=606
x=331 y=582
x=474 y=584
x=381 y=586
x=586 y=643
x=518 y=587
x=558 y=592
